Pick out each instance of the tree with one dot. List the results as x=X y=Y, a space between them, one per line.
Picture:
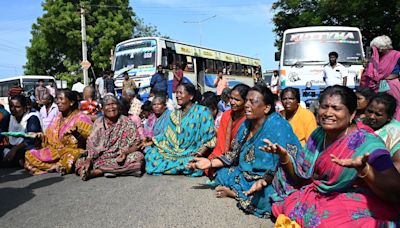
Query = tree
x=56 y=36
x=373 y=17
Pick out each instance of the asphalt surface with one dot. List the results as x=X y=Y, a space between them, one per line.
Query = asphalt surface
x=150 y=201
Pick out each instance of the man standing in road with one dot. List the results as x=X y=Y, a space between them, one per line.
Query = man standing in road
x=128 y=83
x=275 y=82
x=40 y=91
x=259 y=80
x=159 y=81
x=109 y=83
x=334 y=72
x=220 y=83
x=100 y=86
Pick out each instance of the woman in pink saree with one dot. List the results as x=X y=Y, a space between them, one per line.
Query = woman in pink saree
x=382 y=72
x=344 y=176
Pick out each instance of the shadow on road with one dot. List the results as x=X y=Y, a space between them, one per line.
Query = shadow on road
x=6 y=174
x=11 y=198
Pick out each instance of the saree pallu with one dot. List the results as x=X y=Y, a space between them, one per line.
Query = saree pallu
x=183 y=137
x=59 y=147
x=335 y=198
x=160 y=125
x=105 y=144
x=249 y=164
x=226 y=133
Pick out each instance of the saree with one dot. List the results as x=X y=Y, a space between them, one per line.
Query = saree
x=247 y=163
x=379 y=69
x=335 y=197
x=160 y=124
x=106 y=143
x=183 y=137
x=225 y=134
x=148 y=125
x=59 y=147
x=390 y=134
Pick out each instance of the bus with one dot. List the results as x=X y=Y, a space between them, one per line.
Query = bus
x=304 y=53
x=141 y=56
x=27 y=82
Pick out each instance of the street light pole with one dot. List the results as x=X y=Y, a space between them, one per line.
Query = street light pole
x=84 y=47
x=200 y=23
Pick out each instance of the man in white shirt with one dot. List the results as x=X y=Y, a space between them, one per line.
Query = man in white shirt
x=335 y=73
x=100 y=87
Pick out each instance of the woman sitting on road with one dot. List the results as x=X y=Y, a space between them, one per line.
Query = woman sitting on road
x=64 y=139
x=22 y=120
x=189 y=132
x=112 y=147
x=344 y=174
x=245 y=164
x=230 y=123
x=302 y=120
x=379 y=116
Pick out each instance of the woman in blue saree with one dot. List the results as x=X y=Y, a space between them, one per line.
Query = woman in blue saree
x=245 y=164
x=189 y=132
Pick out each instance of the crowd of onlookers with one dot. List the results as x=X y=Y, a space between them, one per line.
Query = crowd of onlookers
x=337 y=167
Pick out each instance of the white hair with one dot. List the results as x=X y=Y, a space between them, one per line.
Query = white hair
x=382 y=42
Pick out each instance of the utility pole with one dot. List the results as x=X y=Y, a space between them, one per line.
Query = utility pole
x=85 y=63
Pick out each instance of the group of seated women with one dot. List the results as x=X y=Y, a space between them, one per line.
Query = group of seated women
x=334 y=170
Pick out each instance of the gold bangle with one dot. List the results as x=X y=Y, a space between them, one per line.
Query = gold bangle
x=366 y=173
x=285 y=163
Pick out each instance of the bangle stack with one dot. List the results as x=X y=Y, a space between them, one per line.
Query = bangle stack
x=366 y=173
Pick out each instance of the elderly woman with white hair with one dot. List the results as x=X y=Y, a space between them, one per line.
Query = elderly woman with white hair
x=382 y=72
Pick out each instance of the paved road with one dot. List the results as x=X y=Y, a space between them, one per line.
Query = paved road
x=165 y=201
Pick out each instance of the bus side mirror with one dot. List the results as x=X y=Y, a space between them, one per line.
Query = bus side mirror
x=277 y=56
x=164 y=61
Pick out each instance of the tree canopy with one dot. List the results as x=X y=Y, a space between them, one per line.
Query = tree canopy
x=372 y=17
x=56 y=48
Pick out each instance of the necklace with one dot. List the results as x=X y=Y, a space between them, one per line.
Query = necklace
x=345 y=133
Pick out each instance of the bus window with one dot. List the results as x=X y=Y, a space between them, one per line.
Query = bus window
x=189 y=65
x=210 y=66
x=5 y=86
x=29 y=85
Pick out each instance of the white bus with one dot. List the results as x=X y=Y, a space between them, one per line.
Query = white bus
x=140 y=57
x=27 y=82
x=305 y=51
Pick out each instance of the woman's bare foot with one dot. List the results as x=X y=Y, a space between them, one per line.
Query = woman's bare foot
x=222 y=192
x=61 y=170
x=84 y=175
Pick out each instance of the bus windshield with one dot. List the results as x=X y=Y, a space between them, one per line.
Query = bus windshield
x=313 y=47
x=135 y=55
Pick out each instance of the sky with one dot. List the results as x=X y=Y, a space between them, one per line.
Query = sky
x=237 y=26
